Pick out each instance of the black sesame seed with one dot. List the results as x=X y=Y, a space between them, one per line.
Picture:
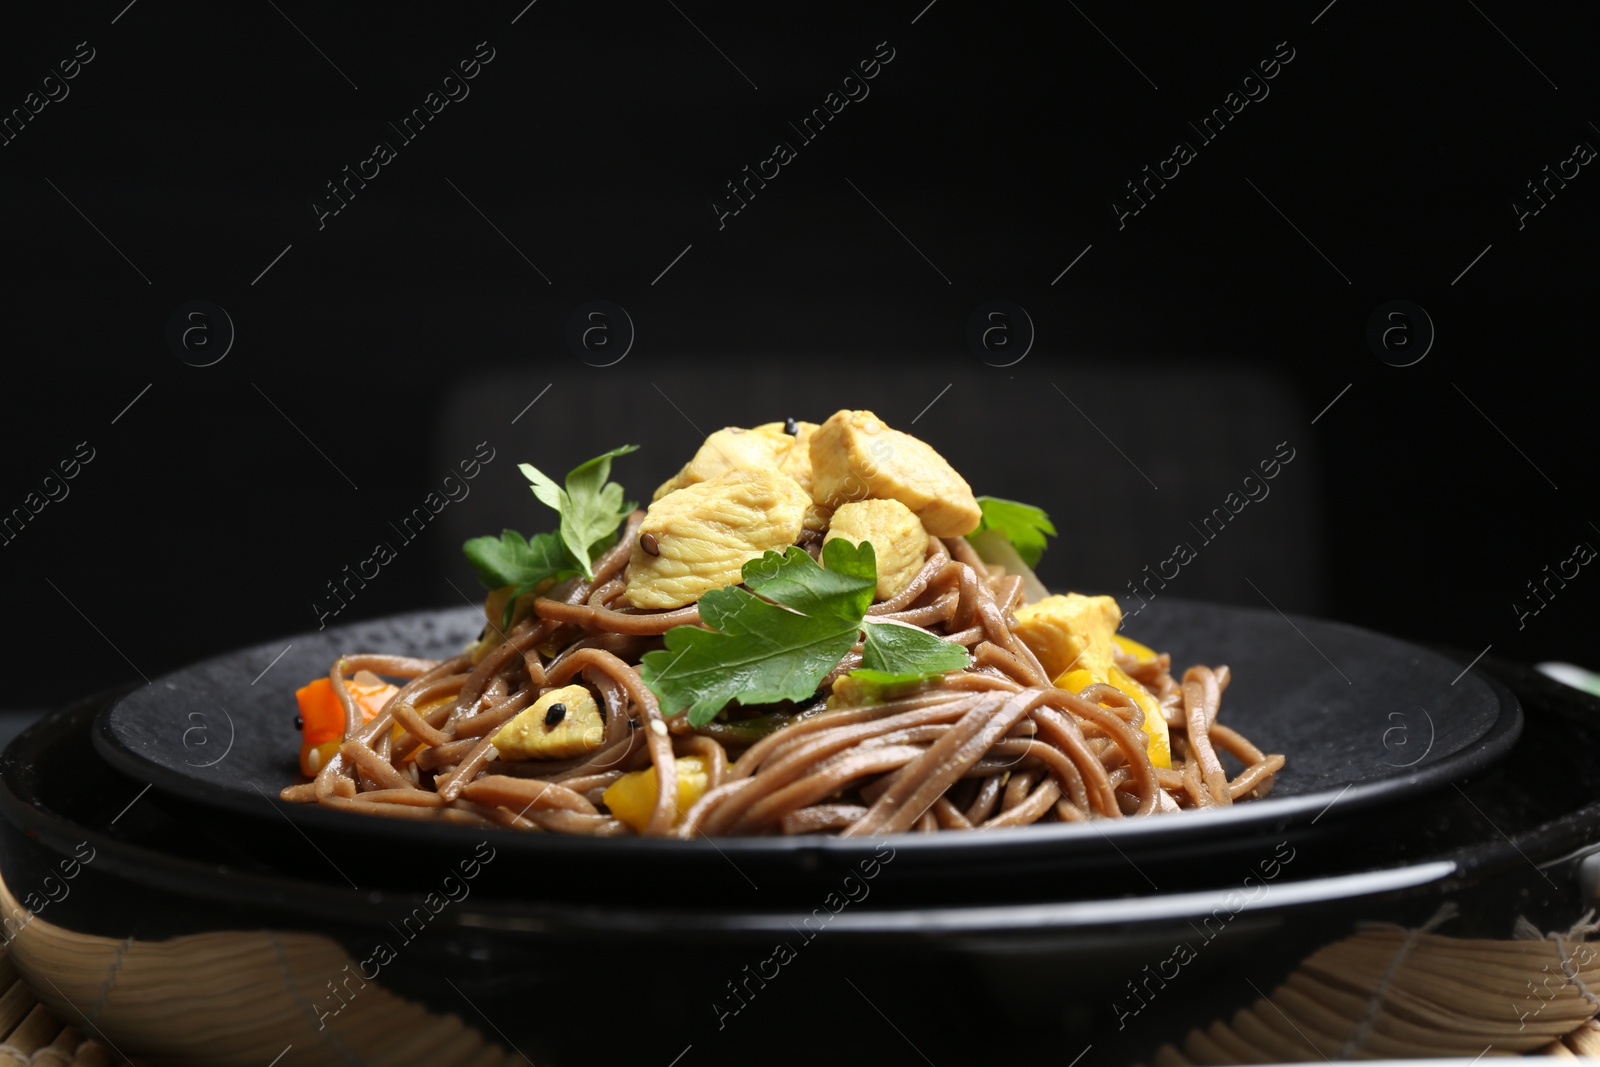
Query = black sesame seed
x=791 y=427
x=633 y=724
x=299 y=723
x=647 y=541
x=554 y=714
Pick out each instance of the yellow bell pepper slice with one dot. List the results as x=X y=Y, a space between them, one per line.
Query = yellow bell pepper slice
x=1142 y=653
x=1155 y=724
x=1076 y=681
x=632 y=798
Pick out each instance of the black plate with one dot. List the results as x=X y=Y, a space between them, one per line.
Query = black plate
x=1364 y=720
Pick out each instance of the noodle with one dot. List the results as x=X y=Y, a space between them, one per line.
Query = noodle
x=993 y=746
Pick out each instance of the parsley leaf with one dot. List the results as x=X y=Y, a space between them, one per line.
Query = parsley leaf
x=510 y=559
x=896 y=659
x=779 y=644
x=591 y=506
x=522 y=564
x=843 y=591
x=1023 y=525
x=894 y=652
x=761 y=652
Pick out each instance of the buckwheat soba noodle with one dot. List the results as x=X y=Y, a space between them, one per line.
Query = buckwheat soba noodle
x=557 y=722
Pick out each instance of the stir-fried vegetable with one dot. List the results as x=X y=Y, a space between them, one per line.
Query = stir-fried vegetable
x=322 y=718
x=632 y=798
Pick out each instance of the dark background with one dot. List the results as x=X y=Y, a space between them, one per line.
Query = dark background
x=1172 y=357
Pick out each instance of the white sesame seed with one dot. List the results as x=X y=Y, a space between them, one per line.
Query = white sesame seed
x=314 y=759
x=659 y=727
x=415 y=775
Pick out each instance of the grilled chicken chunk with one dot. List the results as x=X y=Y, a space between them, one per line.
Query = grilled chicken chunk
x=855 y=456
x=898 y=540
x=703 y=534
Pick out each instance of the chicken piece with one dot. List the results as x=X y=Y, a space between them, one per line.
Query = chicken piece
x=563 y=723
x=854 y=456
x=703 y=534
x=898 y=540
x=1072 y=632
x=796 y=462
x=729 y=449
